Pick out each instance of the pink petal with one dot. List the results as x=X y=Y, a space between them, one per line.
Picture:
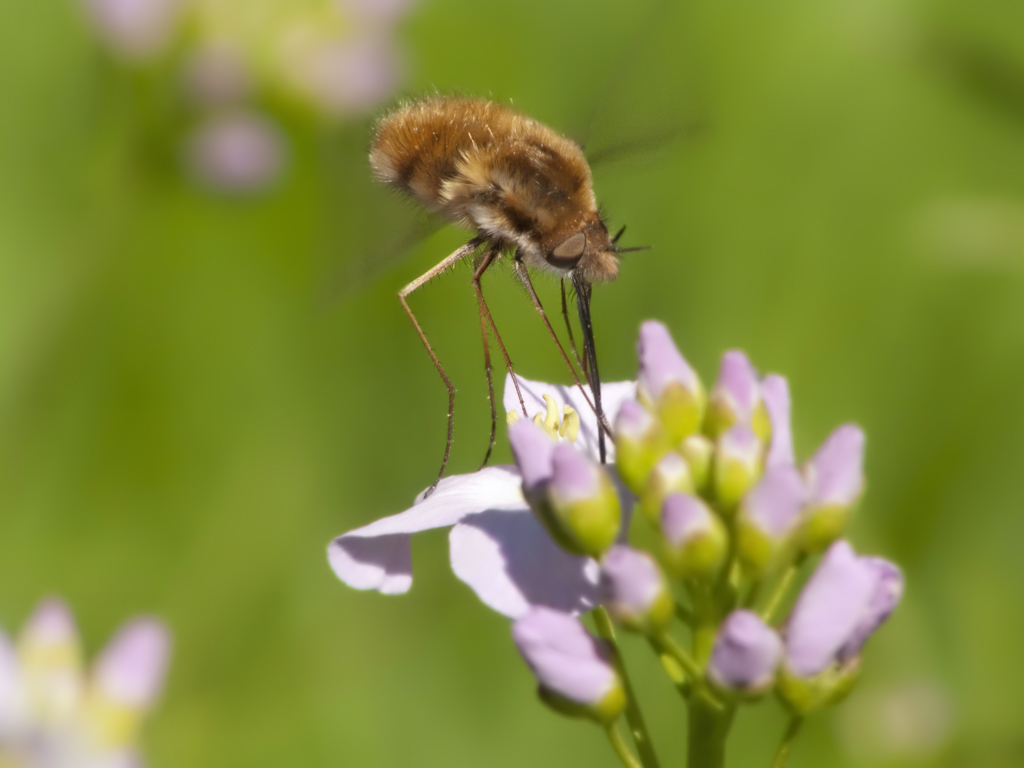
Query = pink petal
x=613 y=394
x=775 y=393
x=132 y=668
x=377 y=556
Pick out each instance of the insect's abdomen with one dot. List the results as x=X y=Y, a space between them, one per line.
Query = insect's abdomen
x=481 y=164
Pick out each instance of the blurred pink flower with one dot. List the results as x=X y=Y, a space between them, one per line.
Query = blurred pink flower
x=53 y=714
x=134 y=29
x=236 y=152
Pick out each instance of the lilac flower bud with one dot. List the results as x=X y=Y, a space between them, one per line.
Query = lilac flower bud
x=768 y=514
x=236 y=153
x=640 y=442
x=670 y=475
x=886 y=596
x=134 y=29
x=746 y=654
x=775 y=394
x=634 y=590
x=574 y=669
x=835 y=480
x=736 y=398
x=666 y=384
x=698 y=452
x=845 y=600
x=131 y=670
x=696 y=541
x=586 y=513
x=737 y=464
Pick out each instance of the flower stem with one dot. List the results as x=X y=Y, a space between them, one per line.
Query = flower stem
x=634 y=717
x=708 y=728
x=621 y=748
x=781 y=588
x=667 y=644
x=782 y=753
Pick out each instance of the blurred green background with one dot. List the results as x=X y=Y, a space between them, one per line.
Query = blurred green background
x=193 y=403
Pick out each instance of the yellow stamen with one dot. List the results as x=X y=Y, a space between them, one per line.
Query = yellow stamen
x=511 y=417
x=570 y=427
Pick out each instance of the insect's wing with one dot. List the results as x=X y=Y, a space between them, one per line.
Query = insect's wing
x=372 y=227
x=650 y=99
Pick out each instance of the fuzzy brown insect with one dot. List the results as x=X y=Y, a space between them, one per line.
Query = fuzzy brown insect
x=524 y=189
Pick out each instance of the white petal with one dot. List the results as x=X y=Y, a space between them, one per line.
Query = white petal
x=377 y=556
x=512 y=564
x=613 y=395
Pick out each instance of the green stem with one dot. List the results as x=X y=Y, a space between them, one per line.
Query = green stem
x=634 y=717
x=781 y=588
x=782 y=753
x=665 y=643
x=708 y=728
x=618 y=743
x=685 y=615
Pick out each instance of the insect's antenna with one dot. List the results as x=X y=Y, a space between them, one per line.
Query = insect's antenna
x=618 y=234
x=583 y=308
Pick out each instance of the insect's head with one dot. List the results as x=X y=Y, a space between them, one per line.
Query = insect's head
x=587 y=250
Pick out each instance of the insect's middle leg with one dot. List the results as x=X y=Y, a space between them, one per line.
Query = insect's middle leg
x=485 y=315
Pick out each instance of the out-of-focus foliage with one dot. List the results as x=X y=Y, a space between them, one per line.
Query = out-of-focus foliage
x=193 y=402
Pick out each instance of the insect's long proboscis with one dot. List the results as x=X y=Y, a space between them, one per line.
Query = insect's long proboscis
x=583 y=292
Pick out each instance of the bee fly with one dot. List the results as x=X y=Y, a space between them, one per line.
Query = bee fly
x=525 y=190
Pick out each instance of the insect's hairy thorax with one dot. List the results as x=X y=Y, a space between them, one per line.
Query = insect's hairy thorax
x=488 y=167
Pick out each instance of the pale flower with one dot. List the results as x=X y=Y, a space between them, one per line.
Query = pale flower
x=55 y=714
x=497 y=546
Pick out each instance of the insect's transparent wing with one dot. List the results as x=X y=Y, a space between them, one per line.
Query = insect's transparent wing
x=650 y=99
x=371 y=228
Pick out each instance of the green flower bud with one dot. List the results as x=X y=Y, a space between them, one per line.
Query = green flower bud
x=667 y=385
x=698 y=452
x=696 y=540
x=583 y=512
x=737 y=465
x=633 y=590
x=805 y=695
x=768 y=516
x=670 y=475
x=640 y=442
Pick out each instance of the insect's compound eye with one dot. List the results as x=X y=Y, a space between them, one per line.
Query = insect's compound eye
x=569 y=251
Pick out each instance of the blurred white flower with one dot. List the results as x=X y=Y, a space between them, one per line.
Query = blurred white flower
x=344 y=76
x=134 y=29
x=906 y=722
x=236 y=152
x=53 y=714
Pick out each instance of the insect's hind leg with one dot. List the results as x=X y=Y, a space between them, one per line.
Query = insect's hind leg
x=445 y=264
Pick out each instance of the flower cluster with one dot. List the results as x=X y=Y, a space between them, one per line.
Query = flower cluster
x=338 y=58
x=54 y=715
x=733 y=518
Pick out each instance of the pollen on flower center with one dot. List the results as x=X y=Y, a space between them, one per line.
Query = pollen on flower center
x=566 y=425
